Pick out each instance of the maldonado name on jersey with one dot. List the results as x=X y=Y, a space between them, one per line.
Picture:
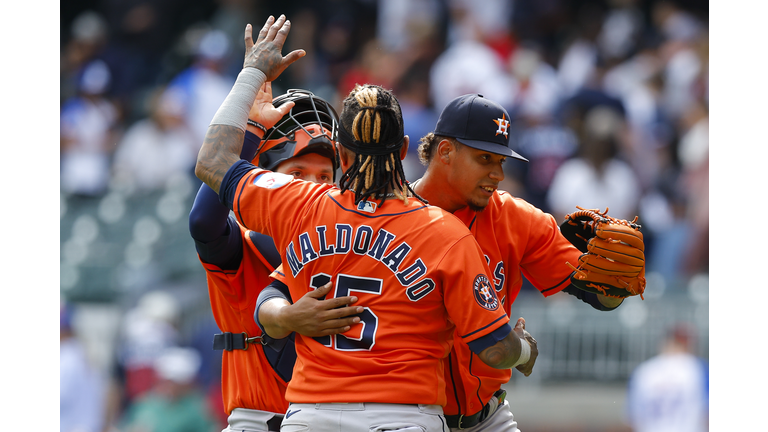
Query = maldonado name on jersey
x=364 y=241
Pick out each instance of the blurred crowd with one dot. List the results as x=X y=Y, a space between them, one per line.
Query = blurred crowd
x=609 y=102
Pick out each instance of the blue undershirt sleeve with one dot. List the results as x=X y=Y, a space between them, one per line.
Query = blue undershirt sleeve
x=250 y=146
x=216 y=234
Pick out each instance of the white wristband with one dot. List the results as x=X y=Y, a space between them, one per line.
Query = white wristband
x=236 y=107
x=525 y=353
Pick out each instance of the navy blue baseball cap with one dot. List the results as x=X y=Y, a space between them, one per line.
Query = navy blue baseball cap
x=479 y=123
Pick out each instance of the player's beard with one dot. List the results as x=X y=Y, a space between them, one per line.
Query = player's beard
x=477 y=203
x=476 y=207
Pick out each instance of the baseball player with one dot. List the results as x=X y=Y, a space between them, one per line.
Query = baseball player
x=371 y=238
x=238 y=261
x=464 y=157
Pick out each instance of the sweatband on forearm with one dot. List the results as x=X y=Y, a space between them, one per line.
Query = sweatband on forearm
x=235 y=108
x=525 y=353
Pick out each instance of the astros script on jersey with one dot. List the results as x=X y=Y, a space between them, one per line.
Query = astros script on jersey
x=416 y=270
x=517 y=239
x=248 y=379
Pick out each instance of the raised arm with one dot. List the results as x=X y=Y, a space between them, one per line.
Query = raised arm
x=263 y=63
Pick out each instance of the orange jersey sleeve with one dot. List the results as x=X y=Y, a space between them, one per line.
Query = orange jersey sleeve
x=247 y=378
x=416 y=270
x=278 y=274
x=518 y=240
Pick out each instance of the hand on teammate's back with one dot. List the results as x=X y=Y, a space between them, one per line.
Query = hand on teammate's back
x=313 y=316
x=526 y=368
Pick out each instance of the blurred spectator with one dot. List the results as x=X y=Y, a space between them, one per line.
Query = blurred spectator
x=88 y=37
x=89 y=128
x=148 y=329
x=484 y=21
x=230 y=17
x=175 y=403
x=694 y=157
x=683 y=62
x=204 y=85
x=333 y=33
x=402 y=25
x=159 y=147
x=638 y=83
x=141 y=33
x=374 y=65
x=621 y=30
x=597 y=178
x=457 y=71
x=82 y=387
x=543 y=22
x=576 y=64
x=536 y=87
x=546 y=144
x=209 y=376
x=478 y=34
x=670 y=392
x=419 y=118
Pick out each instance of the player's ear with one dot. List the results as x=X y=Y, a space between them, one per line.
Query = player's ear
x=345 y=158
x=404 y=149
x=445 y=150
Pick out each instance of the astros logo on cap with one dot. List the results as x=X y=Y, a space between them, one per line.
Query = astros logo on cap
x=485 y=295
x=503 y=125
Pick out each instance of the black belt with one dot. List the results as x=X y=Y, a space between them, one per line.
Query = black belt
x=234 y=341
x=462 y=421
x=274 y=423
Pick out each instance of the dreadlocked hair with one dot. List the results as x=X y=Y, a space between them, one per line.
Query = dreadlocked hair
x=371 y=115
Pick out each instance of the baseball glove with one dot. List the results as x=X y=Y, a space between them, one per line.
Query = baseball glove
x=613 y=259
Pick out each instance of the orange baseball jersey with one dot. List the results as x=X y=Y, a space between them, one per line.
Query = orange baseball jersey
x=247 y=378
x=517 y=239
x=416 y=270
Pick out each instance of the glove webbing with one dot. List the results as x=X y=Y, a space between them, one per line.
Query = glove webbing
x=598 y=216
x=601 y=217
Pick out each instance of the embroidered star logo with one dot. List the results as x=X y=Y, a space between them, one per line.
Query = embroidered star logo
x=503 y=125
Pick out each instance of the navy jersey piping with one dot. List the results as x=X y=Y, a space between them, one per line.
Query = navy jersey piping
x=226 y=272
x=558 y=284
x=372 y=216
x=266 y=246
x=240 y=194
x=453 y=381
x=473 y=222
x=479 y=381
x=485 y=327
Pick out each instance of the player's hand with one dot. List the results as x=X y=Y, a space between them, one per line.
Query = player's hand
x=312 y=316
x=263 y=111
x=526 y=368
x=266 y=53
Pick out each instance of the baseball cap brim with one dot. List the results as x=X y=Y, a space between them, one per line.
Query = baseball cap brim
x=491 y=147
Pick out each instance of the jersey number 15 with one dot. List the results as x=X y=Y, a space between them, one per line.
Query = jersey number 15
x=345 y=285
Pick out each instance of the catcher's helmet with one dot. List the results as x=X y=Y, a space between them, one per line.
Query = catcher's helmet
x=311 y=126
